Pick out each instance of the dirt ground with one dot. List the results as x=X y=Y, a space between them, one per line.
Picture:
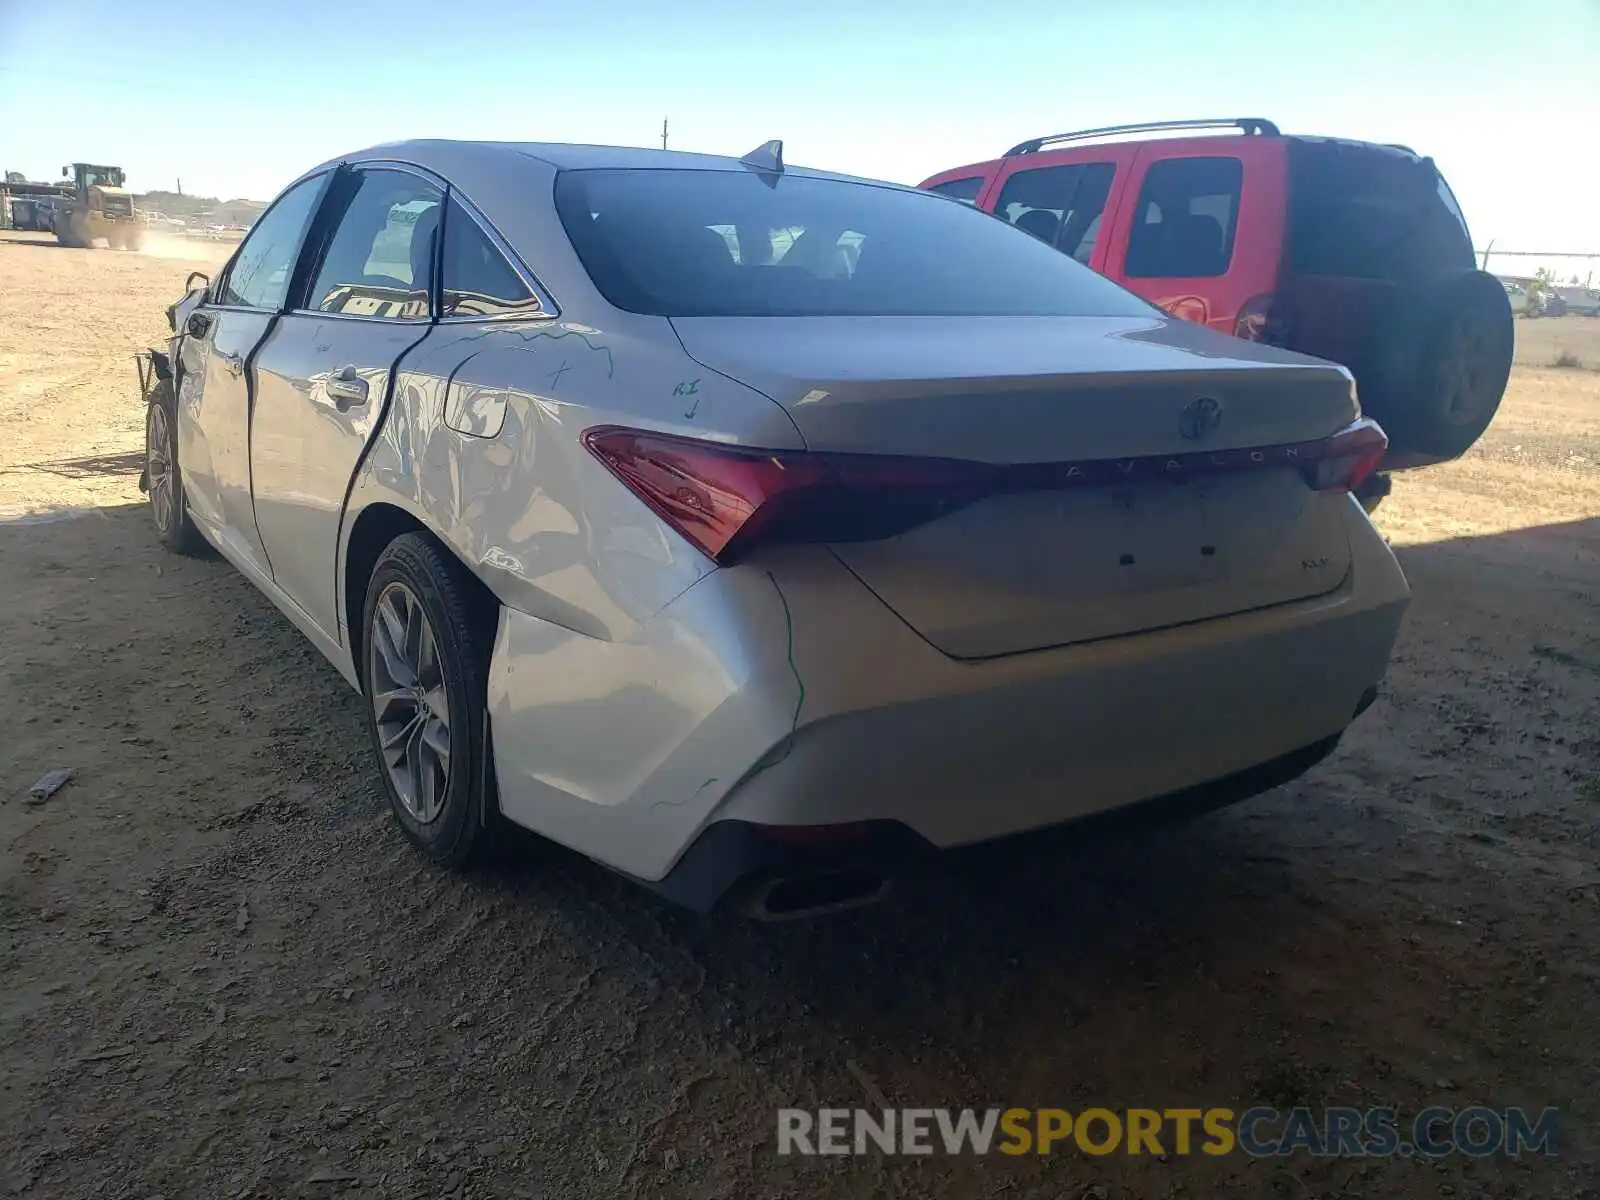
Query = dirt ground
x=223 y=974
x=1541 y=341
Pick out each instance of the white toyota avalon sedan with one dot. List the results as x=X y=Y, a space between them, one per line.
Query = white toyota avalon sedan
x=738 y=524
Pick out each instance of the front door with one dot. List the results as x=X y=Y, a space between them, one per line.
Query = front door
x=324 y=371
x=214 y=400
x=1064 y=203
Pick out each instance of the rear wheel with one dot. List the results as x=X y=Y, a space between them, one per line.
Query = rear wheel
x=1443 y=365
x=425 y=654
x=163 y=481
x=1372 y=491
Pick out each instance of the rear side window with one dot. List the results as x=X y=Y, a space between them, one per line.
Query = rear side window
x=379 y=262
x=1061 y=206
x=1184 y=224
x=965 y=190
x=259 y=276
x=680 y=243
x=476 y=279
x=1360 y=212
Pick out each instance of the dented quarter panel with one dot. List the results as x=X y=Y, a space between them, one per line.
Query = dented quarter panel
x=518 y=498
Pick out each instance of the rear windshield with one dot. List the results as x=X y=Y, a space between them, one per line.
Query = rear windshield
x=1364 y=213
x=681 y=243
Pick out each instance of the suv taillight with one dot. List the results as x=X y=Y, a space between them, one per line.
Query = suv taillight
x=1262 y=319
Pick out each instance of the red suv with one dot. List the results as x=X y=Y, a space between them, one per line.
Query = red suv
x=1347 y=250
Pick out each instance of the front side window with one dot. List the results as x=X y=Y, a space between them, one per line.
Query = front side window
x=379 y=262
x=259 y=276
x=674 y=242
x=477 y=281
x=965 y=190
x=1061 y=206
x=1184 y=224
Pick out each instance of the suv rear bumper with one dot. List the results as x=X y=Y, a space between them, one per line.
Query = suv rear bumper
x=1373 y=489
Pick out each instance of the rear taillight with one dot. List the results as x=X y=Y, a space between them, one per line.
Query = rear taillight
x=1262 y=319
x=1345 y=460
x=724 y=499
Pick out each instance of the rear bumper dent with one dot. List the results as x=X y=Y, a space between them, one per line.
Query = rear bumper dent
x=730 y=853
x=785 y=694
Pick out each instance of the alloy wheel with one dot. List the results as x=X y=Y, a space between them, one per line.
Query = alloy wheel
x=158 y=463
x=410 y=705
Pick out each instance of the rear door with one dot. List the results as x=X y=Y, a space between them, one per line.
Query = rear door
x=215 y=395
x=325 y=370
x=1203 y=233
x=1066 y=204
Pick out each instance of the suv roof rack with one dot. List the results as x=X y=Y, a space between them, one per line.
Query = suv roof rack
x=1249 y=125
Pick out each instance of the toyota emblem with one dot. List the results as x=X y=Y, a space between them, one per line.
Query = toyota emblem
x=1200 y=418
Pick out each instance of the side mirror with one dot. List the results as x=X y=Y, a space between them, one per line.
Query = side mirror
x=205 y=281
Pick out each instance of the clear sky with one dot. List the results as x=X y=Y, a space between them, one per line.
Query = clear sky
x=235 y=99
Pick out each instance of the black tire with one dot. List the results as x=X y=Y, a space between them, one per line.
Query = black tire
x=168 y=511
x=1373 y=490
x=468 y=821
x=1442 y=363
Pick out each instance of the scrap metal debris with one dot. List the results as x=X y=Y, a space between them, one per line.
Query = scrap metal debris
x=108 y=1055
x=49 y=784
x=332 y=1175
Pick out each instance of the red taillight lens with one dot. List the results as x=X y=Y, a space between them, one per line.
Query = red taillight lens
x=1347 y=458
x=723 y=498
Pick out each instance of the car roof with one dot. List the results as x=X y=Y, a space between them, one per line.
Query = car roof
x=499 y=179
x=440 y=153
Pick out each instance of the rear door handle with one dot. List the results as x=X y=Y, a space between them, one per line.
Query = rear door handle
x=347 y=388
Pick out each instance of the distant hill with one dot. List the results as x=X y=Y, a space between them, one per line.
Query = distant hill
x=217 y=212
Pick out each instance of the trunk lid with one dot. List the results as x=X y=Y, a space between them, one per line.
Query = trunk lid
x=1019 y=389
x=1147 y=400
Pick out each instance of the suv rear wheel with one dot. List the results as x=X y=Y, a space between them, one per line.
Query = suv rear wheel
x=1443 y=364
